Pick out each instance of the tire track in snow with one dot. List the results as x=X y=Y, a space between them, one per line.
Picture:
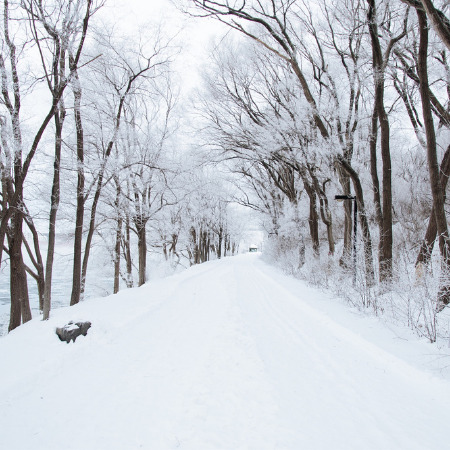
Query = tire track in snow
x=235 y=396
x=221 y=356
x=355 y=392
x=319 y=360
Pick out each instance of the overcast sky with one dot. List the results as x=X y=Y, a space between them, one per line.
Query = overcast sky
x=194 y=35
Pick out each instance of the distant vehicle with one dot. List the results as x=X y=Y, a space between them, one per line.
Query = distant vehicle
x=253 y=248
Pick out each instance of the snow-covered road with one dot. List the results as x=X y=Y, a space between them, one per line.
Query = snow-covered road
x=226 y=355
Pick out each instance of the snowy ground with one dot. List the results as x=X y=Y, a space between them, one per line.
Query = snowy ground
x=227 y=355
x=99 y=281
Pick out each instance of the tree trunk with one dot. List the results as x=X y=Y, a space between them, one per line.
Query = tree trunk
x=225 y=244
x=433 y=165
x=208 y=247
x=204 y=246
x=365 y=230
x=386 y=235
x=195 y=251
x=345 y=259
x=99 y=186
x=127 y=253
x=36 y=260
x=374 y=175
x=90 y=235
x=330 y=237
x=426 y=249
x=88 y=244
x=439 y=21
x=142 y=249
x=79 y=215
x=173 y=246
x=313 y=220
x=54 y=205
x=118 y=240
x=20 y=305
x=325 y=212
x=21 y=171
x=219 y=244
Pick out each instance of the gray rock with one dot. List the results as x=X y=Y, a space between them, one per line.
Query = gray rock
x=71 y=331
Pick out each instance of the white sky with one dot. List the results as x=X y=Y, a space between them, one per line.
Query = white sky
x=194 y=35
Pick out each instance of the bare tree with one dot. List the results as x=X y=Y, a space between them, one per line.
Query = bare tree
x=13 y=214
x=273 y=19
x=272 y=25
x=379 y=115
x=125 y=73
x=148 y=181
x=63 y=30
x=433 y=165
x=438 y=19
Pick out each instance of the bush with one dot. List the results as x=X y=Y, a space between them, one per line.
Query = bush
x=410 y=299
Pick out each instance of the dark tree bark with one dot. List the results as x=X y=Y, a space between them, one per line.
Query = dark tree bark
x=219 y=242
x=79 y=215
x=433 y=165
x=225 y=244
x=374 y=174
x=438 y=19
x=13 y=216
x=313 y=220
x=204 y=246
x=36 y=259
x=365 y=230
x=142 y=250
x=426 y=249
x=20 y=305
x=58 y=69
x=99 y=186
x=344 y=180
x=384 y=212
x=195 y=258
x=410 y=70
x=54 y=205
x=325 y=213
x=386 y=236
x=117 y=246
x=173 y=246
x=127 y=253
x=275 y=24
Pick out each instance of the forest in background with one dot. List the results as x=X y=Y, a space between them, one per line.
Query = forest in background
x=90 y=152
x=300 y=102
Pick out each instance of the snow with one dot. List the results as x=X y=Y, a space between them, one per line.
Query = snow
x=230 y=355
x=71 y=327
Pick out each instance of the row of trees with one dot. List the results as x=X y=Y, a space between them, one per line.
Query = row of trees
x=307 y=100
x=312 y=98
x=102 y=160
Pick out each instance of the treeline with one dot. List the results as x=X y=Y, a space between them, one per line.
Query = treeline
x=312 y=99
x=89 y=148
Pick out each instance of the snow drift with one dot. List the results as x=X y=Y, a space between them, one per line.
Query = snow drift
x=230 y=354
